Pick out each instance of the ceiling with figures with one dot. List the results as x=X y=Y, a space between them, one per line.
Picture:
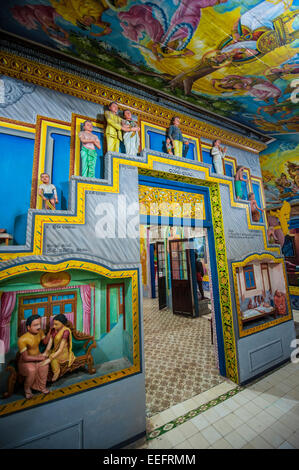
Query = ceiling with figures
x=237 y=59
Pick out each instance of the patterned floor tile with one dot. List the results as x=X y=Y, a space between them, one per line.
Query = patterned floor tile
x=179 y=357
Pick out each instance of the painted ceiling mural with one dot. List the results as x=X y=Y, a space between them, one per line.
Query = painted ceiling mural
x=237 y=59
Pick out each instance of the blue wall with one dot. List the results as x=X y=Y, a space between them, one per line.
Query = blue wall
x=207 y=158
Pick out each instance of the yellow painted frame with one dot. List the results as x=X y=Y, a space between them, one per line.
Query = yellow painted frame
x=17 y=125
x=92 y=382
x=77 y=120
x=42 y=125
x=250 y=331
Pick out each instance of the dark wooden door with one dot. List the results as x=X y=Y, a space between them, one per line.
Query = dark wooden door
x=181 y=278
x=161 y=274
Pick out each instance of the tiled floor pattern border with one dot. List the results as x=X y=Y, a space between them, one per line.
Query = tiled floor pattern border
x=159 y=431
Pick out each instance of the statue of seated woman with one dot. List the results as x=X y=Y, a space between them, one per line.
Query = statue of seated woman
x=59 y=347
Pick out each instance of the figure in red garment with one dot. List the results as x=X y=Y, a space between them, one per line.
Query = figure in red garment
x=280 y=302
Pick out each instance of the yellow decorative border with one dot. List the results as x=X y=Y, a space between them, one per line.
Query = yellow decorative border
x=255 y=329
x=93 y=382
x=68 y=83
x=42 y=219
x=170 y=196
x=17 y=125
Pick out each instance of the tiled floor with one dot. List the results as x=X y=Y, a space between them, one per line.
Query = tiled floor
x=179 y=357
x=264 y=415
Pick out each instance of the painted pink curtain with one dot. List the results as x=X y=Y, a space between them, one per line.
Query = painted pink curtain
x=85 y=292
x=8 y=302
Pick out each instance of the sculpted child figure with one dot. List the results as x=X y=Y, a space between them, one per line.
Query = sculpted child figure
x=59 y=348
x=31 y=362
x=131 y=138
x=114 y=128
x=88 y=152
x=175 y=138
x=239 y=177
x=255 y=209
x=218 y=153
x=48 y=192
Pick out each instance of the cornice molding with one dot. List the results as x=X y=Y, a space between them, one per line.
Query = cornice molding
x=72 y=84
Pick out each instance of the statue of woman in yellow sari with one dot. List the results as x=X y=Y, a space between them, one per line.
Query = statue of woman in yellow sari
x=59 y=348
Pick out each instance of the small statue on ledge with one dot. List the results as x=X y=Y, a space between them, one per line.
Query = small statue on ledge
x=88 y=152
x=175 y=143
x=114 y=128
x=48 y=192
x=255 y=209
x=218 y=153
x=239 y=177
x=131 y=138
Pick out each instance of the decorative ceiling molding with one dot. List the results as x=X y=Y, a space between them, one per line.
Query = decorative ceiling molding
x=64 y=82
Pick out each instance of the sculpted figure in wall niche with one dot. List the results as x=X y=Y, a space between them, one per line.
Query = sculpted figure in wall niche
x=59 y=348
x=48 y=192
x=115 y=127
x=88 y=152
x=175 y=143
x=280 y=302
x=131 y=138
x=30 y=363
x=218 y=153
x=255 y=209
x=239 y=177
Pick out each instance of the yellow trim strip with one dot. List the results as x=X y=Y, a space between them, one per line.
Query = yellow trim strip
x=17 y=127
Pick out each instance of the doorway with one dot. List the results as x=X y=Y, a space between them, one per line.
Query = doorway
x=183 y=337
x=180 y=346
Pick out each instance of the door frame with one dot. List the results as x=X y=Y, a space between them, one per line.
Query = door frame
x=207 y=223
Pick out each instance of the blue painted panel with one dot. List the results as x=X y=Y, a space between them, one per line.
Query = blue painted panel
x=191 y=151
x=207 y=158
x=15 y=184
x=99 y=173
x=68 y=308
x=257 y=195
x=56 y=309
x=229 y=169
x=157 y=141
x=244 y=187
x=27 y=313
x=61 y=168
